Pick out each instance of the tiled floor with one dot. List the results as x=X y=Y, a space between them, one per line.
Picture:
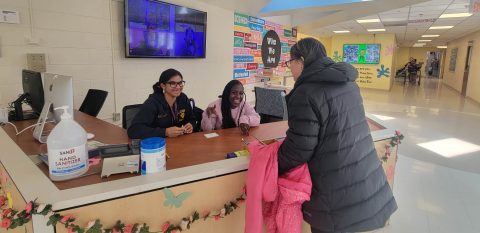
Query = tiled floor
x=435 y=194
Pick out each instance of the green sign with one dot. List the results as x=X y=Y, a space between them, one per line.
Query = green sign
x=285 y=49
x=241 y=19
x=287 y=33
x=238 y=42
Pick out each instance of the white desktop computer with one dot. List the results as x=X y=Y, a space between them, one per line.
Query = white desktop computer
x=58 y=91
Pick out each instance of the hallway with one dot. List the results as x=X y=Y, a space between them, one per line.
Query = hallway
x=437 y=181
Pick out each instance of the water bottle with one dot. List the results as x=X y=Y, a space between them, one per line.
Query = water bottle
x=152 y=153
x=67 y=149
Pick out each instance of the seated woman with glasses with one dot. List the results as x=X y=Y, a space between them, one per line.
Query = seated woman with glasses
x=230 y=111
x=167 y=112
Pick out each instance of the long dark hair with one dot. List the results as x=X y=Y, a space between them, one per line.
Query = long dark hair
x=227 y=119
x=309 y=50
x=164 y=78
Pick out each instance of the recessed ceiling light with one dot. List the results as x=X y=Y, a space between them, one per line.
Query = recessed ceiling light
x=344 y=31
x=455 y=15
x=450 y=147
x=376 y=30
x=430 y=36
x=442 y=47
x=368 y=20
x=424 y=40
x=440 y=27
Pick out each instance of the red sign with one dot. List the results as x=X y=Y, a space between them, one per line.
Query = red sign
x=248 y=36
x=252 y=66
x=239 y=34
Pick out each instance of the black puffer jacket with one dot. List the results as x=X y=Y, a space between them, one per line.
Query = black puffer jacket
x=329 y=131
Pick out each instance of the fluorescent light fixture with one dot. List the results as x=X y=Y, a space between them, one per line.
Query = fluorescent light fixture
x=455 y=15
x=383 y=118
x=368 y=20
x=376 y=30
x=442 y=47
x=427 y=36
x=419 y=44
x=450 y=147
x=424 y=40
x=344 y=31
x=440 y=27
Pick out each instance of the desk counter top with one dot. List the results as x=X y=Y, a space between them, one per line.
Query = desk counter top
x=193 y=157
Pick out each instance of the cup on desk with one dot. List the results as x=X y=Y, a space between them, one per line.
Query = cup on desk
x=152 y=153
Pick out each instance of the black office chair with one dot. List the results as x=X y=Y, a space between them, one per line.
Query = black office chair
x=270 y=104
x=93 y=102
x=128 y=113
x=197 y=113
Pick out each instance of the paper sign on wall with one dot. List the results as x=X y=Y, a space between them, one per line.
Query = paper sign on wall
x=474 y=6
x=8 y=16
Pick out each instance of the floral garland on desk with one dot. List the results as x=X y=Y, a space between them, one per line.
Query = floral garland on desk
x=394 y=141
x=12 y=219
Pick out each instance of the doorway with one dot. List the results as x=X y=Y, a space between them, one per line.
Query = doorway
x=467 y=68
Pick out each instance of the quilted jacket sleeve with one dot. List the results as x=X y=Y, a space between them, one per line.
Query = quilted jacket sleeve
x=305 y=127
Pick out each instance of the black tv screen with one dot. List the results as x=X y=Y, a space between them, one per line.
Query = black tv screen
x=158 y=29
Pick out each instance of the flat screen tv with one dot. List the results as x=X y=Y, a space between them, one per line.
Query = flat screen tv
x=361 y=53
x=158 y=29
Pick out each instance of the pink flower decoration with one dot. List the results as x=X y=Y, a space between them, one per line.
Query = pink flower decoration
x=216 y=217
x=66 y=218
x=115 y=231
x=6 y=212
x=3 y=200
x=29 y=207
x=90 y=224
x=165 y=226
x=70 y=230
x=128 y=228
x=6 y=222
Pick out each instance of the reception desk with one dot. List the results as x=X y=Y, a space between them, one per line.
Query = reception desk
x=197 y=165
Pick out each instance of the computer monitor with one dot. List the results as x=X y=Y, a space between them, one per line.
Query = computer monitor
x=33 y=95
x=58 y=91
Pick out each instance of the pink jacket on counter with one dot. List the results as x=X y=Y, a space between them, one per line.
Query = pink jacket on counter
x=277 y=201
x=213 y=122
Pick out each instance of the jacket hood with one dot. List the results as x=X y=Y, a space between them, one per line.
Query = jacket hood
x=326 y=70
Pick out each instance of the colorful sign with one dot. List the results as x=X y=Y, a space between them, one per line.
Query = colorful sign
x=238 y=42
x=250 y=45
x=474 y=6
x=253 y=40
x=241 y=19
x=241 y=58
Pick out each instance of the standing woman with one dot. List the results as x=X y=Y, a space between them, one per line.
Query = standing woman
x=167 y=112
x=230 y=111
x=329 y=131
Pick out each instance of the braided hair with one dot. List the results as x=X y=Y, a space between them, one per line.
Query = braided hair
x=227 y=119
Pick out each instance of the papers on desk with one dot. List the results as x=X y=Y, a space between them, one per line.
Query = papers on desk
x=211 y=135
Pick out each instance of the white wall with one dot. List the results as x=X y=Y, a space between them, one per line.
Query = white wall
x=85 y=39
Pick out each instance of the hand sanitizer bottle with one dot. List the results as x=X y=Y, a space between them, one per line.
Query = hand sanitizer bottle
x=67 y=149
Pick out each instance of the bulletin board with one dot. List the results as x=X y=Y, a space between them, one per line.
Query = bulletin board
x=250 y=33
x=453 y=59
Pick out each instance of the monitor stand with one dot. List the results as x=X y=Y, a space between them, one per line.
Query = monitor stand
x=18 y=113
x=38 y=131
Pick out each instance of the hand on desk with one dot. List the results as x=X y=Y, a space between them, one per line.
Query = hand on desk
x=188 y=128
x=245 y=128
x=174 y=132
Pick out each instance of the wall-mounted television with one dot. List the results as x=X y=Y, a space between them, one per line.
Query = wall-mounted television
x=156 y=29
x=361 y=53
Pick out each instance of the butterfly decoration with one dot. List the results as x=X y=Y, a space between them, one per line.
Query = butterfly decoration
x=389 y=50
x=172 y=200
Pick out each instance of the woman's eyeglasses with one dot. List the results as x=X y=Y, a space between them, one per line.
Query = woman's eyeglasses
x=289 y=62
x=173 y=84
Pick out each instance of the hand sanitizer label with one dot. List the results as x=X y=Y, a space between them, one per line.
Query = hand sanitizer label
x=67 y=161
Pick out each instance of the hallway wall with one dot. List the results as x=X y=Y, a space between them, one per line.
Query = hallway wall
x=454 y=79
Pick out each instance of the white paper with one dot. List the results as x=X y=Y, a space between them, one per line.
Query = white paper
x=8 y=16
x=211 y=135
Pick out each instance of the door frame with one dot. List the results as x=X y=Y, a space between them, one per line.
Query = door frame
x=466 y=70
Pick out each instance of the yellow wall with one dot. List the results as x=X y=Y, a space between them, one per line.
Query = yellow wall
x=326 y=41
x=368 y=73
x=455 y=78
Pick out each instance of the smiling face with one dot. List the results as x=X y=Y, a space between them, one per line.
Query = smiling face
x=236 y=95
x=174 y=86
